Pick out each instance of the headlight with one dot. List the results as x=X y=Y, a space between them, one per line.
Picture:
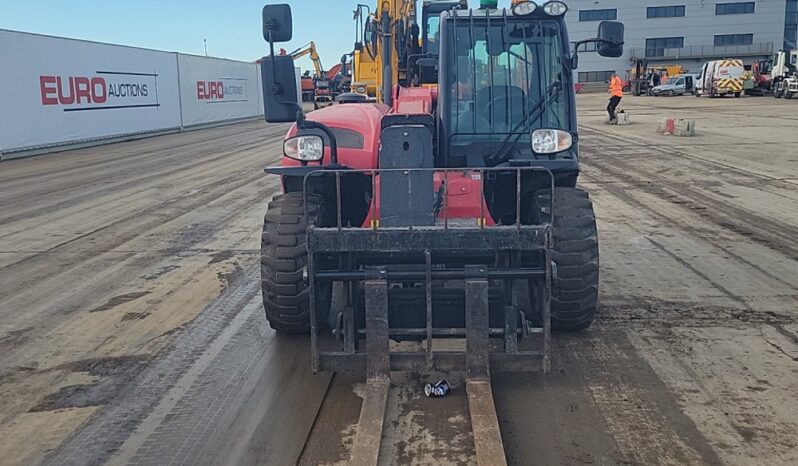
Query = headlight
x=550 y=141
x=555 y=8
x=524 y=8
x=361 y=89
x=304 y=148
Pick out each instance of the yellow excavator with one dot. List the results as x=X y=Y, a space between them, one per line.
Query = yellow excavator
x=309 y=49
x=394 y=47
x=319 y=88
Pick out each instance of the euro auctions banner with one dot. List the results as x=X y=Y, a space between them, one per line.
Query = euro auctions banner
x=214 y=90
x=58 y=91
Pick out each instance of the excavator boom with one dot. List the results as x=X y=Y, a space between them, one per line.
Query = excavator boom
x=310 y=49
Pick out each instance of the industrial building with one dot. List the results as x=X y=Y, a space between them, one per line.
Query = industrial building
x=683 y=32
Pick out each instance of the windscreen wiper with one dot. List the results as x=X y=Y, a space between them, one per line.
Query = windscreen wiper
x=551 y=94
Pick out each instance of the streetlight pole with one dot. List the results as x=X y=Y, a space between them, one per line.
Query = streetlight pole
x=205 y=43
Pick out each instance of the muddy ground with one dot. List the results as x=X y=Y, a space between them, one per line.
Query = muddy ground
x=131 y=330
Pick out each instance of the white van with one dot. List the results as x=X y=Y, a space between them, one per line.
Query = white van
x=720 y=77
x=678 y=85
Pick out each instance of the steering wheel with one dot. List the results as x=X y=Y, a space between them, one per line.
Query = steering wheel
x=503 y=101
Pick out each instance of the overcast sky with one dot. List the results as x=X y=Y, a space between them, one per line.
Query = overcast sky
x=232 y=29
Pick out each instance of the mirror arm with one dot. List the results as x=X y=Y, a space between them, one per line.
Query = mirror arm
x=597 y=41
x=300 y=114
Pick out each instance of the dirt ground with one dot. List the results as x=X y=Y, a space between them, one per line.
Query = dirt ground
x=131 y=330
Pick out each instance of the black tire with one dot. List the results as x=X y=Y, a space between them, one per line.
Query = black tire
x=788 y=95
x=576 y=255
x=286 y=296
x=736 y=95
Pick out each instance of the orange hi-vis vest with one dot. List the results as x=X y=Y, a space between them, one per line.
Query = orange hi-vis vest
x=616 y=87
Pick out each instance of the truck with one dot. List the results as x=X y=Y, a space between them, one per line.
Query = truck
x=784 y=74
x=719 y=78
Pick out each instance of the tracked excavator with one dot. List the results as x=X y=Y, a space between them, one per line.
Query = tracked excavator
x=321 y=92
x=445 y=215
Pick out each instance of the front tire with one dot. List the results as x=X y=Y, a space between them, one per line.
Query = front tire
x=283 y=267
x=576 y=255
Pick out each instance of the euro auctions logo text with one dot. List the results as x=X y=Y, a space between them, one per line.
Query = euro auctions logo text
x=106 y=90
x=223 y=90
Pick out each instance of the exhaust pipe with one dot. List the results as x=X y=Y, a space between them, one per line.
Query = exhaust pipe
x=387 y=69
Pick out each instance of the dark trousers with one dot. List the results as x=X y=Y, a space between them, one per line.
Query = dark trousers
x=614 y=101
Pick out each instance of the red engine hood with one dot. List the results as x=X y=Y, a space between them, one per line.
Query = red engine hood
x=362 y=118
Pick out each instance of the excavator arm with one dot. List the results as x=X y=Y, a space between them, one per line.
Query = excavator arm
x=310 y=49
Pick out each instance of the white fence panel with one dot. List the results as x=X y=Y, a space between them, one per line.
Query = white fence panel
x=57 y=91
x=214 y=90
x=260 y=90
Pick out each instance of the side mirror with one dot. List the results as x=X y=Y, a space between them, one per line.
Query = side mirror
x=280 y=98
x=277 y=23
x=610 y=35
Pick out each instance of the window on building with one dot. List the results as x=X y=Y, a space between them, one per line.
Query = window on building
x=733 y=39
x=589 y=47
x=665 y=11
x=595 y=76
x=791 y=25
x=598 y=15
x=738 y=8
x=656 y=47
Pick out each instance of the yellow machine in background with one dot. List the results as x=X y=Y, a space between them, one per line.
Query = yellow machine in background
x=364 y=59
x=383 y=37
x=391 y=41
x=310 y=49
x=318 y=89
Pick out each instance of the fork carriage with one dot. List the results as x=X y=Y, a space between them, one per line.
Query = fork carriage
x=418 y=273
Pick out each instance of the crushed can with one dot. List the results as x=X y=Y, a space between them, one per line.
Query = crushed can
x=437 y=390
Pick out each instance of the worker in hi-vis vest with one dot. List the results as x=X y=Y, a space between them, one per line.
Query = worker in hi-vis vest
x=616 y=92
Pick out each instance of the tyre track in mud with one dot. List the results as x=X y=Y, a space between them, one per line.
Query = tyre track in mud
x=127 y=154
x=693 y=230
x=633 y=145
x=130 y=251
x=767 y=231
x=165 y=168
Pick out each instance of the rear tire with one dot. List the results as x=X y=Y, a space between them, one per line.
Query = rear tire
x=736 y=94
x=286 y=296
x=576 y=255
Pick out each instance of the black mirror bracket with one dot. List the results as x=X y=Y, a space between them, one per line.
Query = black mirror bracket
x=277 y=27
x=595 y=40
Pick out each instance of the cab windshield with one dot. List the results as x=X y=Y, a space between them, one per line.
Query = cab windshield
x=500 y=80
